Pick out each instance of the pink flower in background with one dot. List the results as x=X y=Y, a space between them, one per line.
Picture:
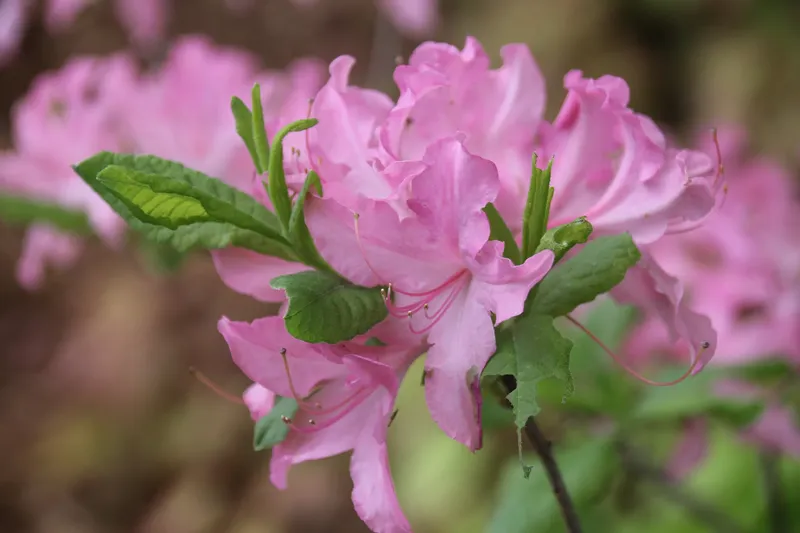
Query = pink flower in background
x=13 y=19
x=145 y=20
x=741 y=268
x=182 y=111
x=415 y=18
x=346 y=394
x=446 y=276
x=66 y=117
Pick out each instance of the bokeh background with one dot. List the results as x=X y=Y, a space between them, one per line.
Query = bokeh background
x=102 y=427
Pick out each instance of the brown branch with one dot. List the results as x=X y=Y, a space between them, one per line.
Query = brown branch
x=544 y=449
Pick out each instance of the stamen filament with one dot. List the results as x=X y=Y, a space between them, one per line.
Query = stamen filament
x=630 y=370
x=319 y=426
x=213 y=387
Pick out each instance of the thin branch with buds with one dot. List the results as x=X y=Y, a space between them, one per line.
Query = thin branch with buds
x=544 y=449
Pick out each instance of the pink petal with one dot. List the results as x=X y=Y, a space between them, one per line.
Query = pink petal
x=462 y=342
x=250 y=273
x=412 y=17
x=145 y=20
x=13 y=18
x=43 y=247
x=450 y=195
x=503 y=287
x=338 y=438
x=256 y=349
x=340 y=144
x=649 y=287
x=259 y=400
x=374 y=495
x=59 y=14
x=691 y=450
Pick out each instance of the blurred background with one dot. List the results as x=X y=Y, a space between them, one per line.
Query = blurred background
x=103 y=429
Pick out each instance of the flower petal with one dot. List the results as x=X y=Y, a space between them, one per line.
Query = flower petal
x=250 y=273
x=462 y=342
x=256 y=349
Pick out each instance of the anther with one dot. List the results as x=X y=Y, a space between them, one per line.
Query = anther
x=705 y=345
x=312 y=422
x=283 y=351
x=286 y=420
x=410 y=314
x=425 y=307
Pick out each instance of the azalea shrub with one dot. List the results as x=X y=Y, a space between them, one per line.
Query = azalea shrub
x=453 y=224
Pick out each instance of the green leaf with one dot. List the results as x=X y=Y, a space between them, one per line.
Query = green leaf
x=270 y=428
x=537 y=208
x=257 y=126
x=531 y=350
x=326 y=308
x=277 y=189
x=499 y=231
x=693 y=397
x=244 y=127
x=528 y=505
x=562 y=239
x=596 y=269
x=299 y=235
x=19 y=210
x=217 y=198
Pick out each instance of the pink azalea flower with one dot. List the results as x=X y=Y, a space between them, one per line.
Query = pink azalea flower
x=741 y=268
x=13 y=20
x=414 y=18
x=446 y=277
x=613 y=166
x=66 y=117
x=444 y=91
x=346 y=394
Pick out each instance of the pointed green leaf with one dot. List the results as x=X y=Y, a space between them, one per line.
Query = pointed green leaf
x=277 y=189
x=299 y=235
x=259 y=129
x=271 y=428
x=326 y=308
x=218 y=199
x=19 y=210
x=537 y=208
x=562 y=239
x=596 y=269
x=531 y=350
x=244 y=127
x=499 y=231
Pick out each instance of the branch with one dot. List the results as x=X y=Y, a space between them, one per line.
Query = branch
x=672 y=491
x=543 y=448
x=770 y=466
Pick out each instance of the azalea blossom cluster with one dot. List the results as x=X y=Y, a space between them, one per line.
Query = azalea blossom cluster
x=405 y=195
x=146 y=20
x=406 y=185
x=741 y=269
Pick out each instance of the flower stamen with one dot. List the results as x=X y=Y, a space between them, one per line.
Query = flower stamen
x=703 y=347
